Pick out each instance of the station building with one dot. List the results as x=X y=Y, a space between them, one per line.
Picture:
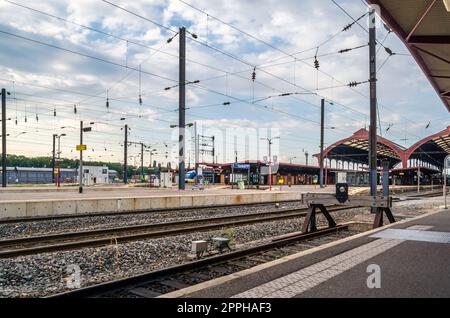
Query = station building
x=282 y=173
x=350 y=155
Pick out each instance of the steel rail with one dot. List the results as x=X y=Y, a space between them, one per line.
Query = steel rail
x=137 y=280
x=101 y=237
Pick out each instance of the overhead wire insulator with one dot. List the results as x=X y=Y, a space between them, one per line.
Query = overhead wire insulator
x=345 y=50
x=225 y=104
x=254 y=74
x=74 y=109
x=348 y=27
x=387 y=28
x=389 y=51
x=353 y=84
x=316 y=62
x=140 y=86
x=54 y=111
x=107 y=103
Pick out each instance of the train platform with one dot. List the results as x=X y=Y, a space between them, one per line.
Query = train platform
x=22 y=204
x=64 y=193
x=406 y=259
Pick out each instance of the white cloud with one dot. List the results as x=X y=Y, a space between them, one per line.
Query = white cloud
x=290 y=25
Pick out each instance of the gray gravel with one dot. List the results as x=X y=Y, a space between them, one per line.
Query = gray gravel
x=24 y=229
x=45 y=274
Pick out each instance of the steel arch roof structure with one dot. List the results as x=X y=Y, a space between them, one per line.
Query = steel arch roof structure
x=356 y=149
x=432 y=149
x=424 y=27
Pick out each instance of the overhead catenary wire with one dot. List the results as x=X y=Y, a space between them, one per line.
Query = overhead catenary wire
x=85 y=55
x=126 y=40
x=345 y=28
x=355 y=21
x=106 y=1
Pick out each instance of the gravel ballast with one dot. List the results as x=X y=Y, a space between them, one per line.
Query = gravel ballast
x=42 y=227
x=49 y=273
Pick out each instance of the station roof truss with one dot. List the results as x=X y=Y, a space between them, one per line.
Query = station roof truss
x=382 y=150
x=356 y=149
x=424 y=27
x=432 y=149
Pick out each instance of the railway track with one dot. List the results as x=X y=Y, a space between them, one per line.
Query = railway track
x=114 y=235
x=101 y=237
x=417 y=196
x=157 y=283
x=131 y=212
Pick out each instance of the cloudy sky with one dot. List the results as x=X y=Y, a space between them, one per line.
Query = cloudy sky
x=57 y=56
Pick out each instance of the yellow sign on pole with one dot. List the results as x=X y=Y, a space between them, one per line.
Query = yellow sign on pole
x=81 y=147
x=55 y=172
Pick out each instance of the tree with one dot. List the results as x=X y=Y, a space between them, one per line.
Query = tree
x=46 y=162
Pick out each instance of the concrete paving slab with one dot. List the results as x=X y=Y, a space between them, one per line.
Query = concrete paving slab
x=340 y=269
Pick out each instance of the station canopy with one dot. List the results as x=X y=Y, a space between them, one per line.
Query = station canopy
x=424 y=27
x=356 y=149
x=432 y=149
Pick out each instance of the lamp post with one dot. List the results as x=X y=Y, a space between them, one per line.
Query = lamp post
x=82 y=147
x=4 y=135
x=270 y=142
x=59 y=158
x=151 y=152
x=292 y=158
x=182 y=126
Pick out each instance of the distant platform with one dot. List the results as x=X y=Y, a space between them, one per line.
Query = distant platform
x=405 y=259
x=35 y=204
x=19 y=202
